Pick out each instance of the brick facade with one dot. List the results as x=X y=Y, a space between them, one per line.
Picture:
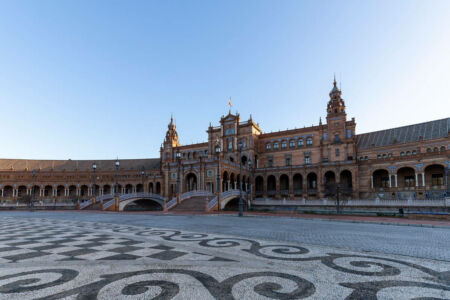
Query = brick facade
x=312 y=162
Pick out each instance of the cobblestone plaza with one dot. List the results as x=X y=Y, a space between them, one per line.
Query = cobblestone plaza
x=57 y=255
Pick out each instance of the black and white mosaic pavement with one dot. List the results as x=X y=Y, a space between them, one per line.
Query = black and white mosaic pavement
x=58 y=259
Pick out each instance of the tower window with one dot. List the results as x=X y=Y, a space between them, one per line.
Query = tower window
x=349 y=133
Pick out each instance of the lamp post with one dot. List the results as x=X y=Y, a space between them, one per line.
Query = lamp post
x=32 y=191
x=178 y=157
x=240 y=181
x=218 y=187
x=249 y=197
x=94 y=168
x=143 y=177
x=116 y=186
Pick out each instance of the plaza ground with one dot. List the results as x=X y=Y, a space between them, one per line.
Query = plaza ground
x=65 y=255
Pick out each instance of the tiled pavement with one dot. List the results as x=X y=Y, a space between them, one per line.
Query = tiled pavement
x=66 y=259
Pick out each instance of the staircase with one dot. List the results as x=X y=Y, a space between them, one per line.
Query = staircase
x=192 y=204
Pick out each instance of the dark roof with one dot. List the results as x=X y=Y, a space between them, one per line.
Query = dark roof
x=82 y=165
x=402 y=135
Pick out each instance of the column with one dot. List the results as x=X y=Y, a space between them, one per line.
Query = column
x=423 y=179
x=417 y=179
x=2 y=192
x=371 y=182
x=396 y=185
x=390 y=180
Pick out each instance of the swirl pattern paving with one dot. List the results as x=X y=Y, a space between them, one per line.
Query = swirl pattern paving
x=56 y=259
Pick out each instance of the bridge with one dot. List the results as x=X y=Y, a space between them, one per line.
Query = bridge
x=109 y=201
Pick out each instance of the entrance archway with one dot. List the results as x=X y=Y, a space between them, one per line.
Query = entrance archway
x=191 y=182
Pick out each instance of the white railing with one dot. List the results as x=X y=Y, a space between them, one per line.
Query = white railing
x=103 y=197
x=375 y=202
x=109 y=204
x=232 y=193
x=85 y=204
x=212 y=203
x=125 y=197
x=190 y=194
x=171 y=203
x=36 y=204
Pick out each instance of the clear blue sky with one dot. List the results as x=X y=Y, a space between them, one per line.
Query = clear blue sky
x=99 y=79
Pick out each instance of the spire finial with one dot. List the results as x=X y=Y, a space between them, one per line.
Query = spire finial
x=334 y=81
x=320 y=120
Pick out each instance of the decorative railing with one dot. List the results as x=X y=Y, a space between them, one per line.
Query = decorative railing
x=212 y=203
x=129 y=196
x=298 y=191
x=190 y=194
x=232 y=193
x=373 y=202
x=85 y=204
x=171 y=203
x=284 y=192
x=437 y=194
x=109 y=204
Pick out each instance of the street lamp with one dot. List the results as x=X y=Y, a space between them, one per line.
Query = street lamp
x=249 y=195
x=217 y=149
x=240 y=181
x=32 y=191
x=143 y=176
x=178 y=157
x=116 y=186
x=94 y=167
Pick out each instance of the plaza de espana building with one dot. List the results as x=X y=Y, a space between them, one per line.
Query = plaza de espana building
x=409 y=162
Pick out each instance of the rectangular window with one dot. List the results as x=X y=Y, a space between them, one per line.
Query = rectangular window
x=349 y=133
x=337 y=152
x=270 y=162
x=283 y=145
x=307 y=160
x=309 y=142
x=275 y=146
x=267 y=146
x=288 y=161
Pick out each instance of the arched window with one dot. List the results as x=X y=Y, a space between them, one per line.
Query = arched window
x=300 y=143
x=390 y=155
x=402 y=153
x=378 y=156
x=283 y=145
x=414 y=152
x=275 y=146
x=435 y=149
x=428 y=150
x=268 y=146
x=442 y=148
x=230 y=145
x=292 y=143
x=408 y=153
x=309 y=141
x=189 y=155
x=384 y=155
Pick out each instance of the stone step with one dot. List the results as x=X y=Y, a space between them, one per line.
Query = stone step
x=197 y=203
